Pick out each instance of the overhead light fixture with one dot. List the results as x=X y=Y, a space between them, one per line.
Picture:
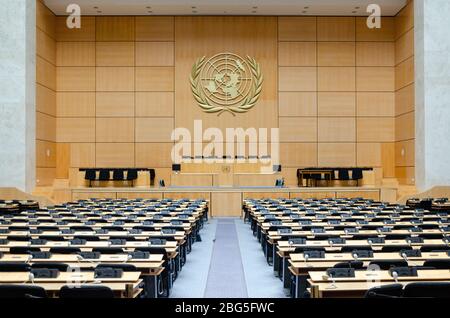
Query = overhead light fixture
x=96 y=8
x=305 y=7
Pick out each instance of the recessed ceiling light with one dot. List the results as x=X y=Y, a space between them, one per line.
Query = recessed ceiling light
x=255 y=7
x=194 y=11
x=254 y=11
x=148 y=7
x=99 y=11
x=193 y=7
x=354 y=11
x=305 y=7
x=357 y=7
x=304 y=11
x=150 y=11
x=95 y=7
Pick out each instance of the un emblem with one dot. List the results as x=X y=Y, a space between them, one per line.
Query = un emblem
x=226 y=83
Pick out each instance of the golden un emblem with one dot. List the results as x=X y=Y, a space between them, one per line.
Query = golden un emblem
x=226 y=83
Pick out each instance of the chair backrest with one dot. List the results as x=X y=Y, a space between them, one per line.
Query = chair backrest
x=386 y=291
x=22 y=291
x=351 y=264
x=343 y=174
x=438 y=263
x=348 y=249
x=123 y=267
x=388 y=264
x=23 y=249
x=14 y=267
x=427 y=289
x=432 y=248
x=118 y=175
x=59 y=266
x=104 y=175
x=108 y=250
x=86 y=291
x=90 y=175
x=357 y=174
x=132 y=174
x=65 y=250
x=395 y=248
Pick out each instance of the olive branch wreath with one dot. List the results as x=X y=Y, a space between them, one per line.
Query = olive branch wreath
x=247 y=104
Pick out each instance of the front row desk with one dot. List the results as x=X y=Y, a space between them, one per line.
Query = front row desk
x=362 y=243
x=144 y=243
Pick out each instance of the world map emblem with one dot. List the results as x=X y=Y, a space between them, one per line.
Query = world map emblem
x=226 y=82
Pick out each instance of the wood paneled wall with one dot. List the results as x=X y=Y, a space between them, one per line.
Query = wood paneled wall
x=336 y=93
x=333 y=86
x=405 y=96
x=115 y=92
x=45 y=95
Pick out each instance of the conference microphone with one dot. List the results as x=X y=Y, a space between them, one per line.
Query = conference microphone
x=129 y=257
x=333 y=281
x=355 y=256
x=405 y=257
x=31 y=277
x=81 y=259
x=395 y=276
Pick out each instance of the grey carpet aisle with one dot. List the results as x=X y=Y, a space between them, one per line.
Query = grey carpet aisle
x=226 y=278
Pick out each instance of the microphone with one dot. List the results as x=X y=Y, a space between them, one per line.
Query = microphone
x=333 y=281
x=405 y=257
x=31 y=277
x=81 y=259
x=129 y=257
x=395 y=276
x=306 y=256
x=355 y=256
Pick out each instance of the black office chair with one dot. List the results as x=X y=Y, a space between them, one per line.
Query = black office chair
x=90 y=175
x=388 y=264
x=435 y=248
x=386 y=291
x=123 y=267
x=104 y=175
x=395 y=248
x=438 y=264
x=23 y=249
x=132 y=175
x=152 y=177
x=118 y=175
x=343 y=175
x=357 y=174
x=427 y=290
x=108 y=250
x=349 y=249
x=14 y=267
x=86 y=291
x=65 y=250
x=59 y=266
x=351 y=264
x=22 y=291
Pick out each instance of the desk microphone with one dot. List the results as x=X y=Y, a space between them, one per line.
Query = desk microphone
x=31 y=277
x=395 y=276
x=446 y=241
x=129 y=257
x=355 y=256
x=81 y=259
x=405 y=257
x=306 y=256
x=333 y=284
x=370 y=242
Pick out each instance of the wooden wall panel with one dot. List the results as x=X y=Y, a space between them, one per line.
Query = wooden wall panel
x=45 y=73
x=75 y=54
x=385 y=33
x=336 y=79
x=404 y=47
x=405 y=153
x=405 y=127
x=82 y=155
x=297 y=104
x=298 y=129
x=45 y=19
x=115 y=28
x=45 y=154
x=75 y=79
x=45 y=47
x=405 y=100
x=45 y=176
x=336 y=29
x=115 y=79
x=376 y=129
x=45 y=127
x=336 y=54
x=336 y=104
x=297 y=28
x=154 y=79
x=368 y=155
x=75 y=104
x=154 y=129
x=404 y=73
x=114 y=104
x=114 y=130
x=297 y=79
x=45 y=100
x=114 y=155
x=155 y=54
x=375 y=79
x=115 y=54
x=297 y=54
x=333 y=129
x=154 y=28
x=154 y=104
x=373 y=104
x=62 y=160
x=298 y=154
x=337 y=154
x=75 y=129
x=154 y=155
x=404 y=20
x=85 y=33
x=375 y=54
